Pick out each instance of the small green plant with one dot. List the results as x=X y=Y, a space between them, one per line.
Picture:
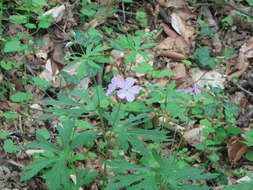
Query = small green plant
x=205 y=30
x=91 y=59
x=8 y=144
x=57 y=162
x=142 y=18
x=203 y=58
x=133 y=44
x=156 y=173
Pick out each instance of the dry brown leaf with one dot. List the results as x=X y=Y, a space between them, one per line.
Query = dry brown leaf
x=42 y=51
x=56 y=12
x=94 y=23
x=179 y=71
x=58 y=54
x=193 y=136
x=175 y=48
x=214 y=78
x=173 y=3
x=236 y=149
x=185 y=13
x=239 y=99
x=237 y=69
x=169 y=31
x=49 y=72
x=179 y=25
x=172 y=54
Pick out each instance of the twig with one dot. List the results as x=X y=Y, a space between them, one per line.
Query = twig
x=162 y=13
x=243 y=89
x=223 y=4
x=124 y=14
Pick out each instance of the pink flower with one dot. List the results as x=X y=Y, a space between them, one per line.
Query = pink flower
x=192 y=91
x=127 y=89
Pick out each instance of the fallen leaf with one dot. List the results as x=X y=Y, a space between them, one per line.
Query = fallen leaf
x=43 y=50
x=58 y=53
x=173 y=3
x=50 y=71
x=204 y=78
x=236 y=69
x=180 y=26
x=193 y=136
x=244 y=179
x=172 y=47
x=56 y=12
x=172 y=54
x=178 y=70
x=236 y=149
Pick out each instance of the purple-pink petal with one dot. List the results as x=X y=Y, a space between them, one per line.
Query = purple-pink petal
x=129 y=82
x=121 y=93
x=130 y=97
x=134 y=89
x=111 y=88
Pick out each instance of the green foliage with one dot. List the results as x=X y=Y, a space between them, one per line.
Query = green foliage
x=10 y=147
x=8 y=65
x=41 y=82
x=57 y=162
x=205 y=30
x=76 y=109
x=249 y=137
x=158 y=173
x=9 y=115
x=127 y=134
x=203 y=58
x=92 y=58
x=13 y=46
x=134 y=44
x=142 y=18
x=21 y=97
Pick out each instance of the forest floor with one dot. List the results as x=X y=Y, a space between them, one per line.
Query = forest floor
x=204 y=47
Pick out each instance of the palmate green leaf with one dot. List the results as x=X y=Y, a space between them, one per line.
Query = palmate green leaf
x=65 y=132
x=120 y=165
x=84 y=177
x=33 y=169
x=174 y=175
x=42 y=143
x=83 y=138
x=72 y=79
x=62 y=101
x=116 y=115
x=138 y=107
x=145 y=179
x=148 y=183
x=88 y=68
x=127 y=135
x=57 y=176
x=124 y=181
x=71 y=112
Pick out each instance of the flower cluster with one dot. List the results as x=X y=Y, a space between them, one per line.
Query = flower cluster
x=126 y=88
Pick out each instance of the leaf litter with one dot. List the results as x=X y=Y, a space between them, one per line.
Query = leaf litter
x=176 y=43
